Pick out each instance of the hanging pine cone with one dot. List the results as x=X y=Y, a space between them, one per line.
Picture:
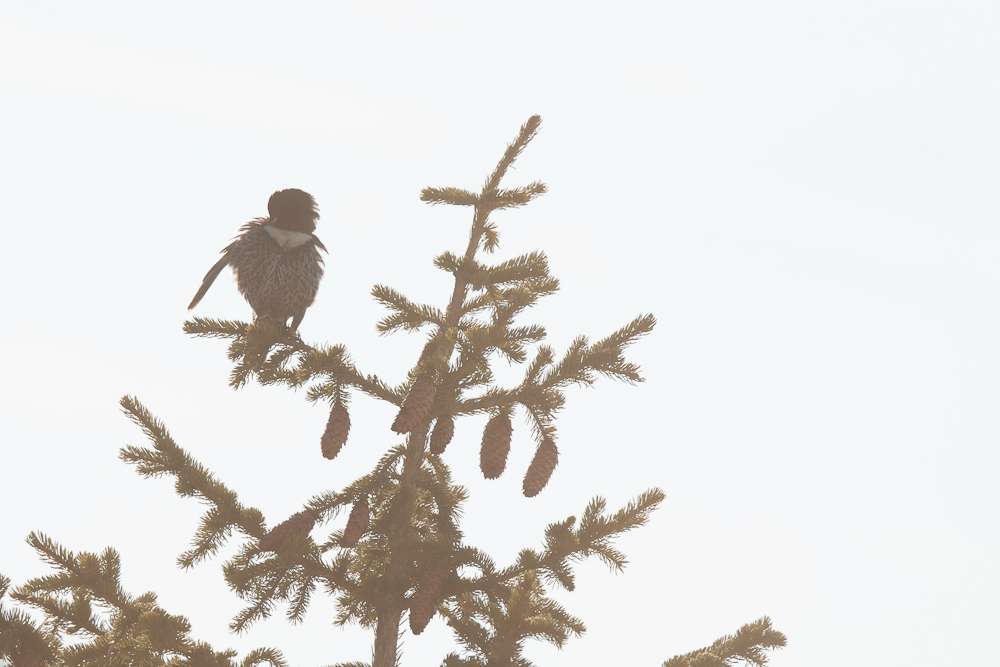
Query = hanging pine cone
x=416 y=405
x=337 y=428
x=495 y=447
x=357 y=523
x=428 y=596
x=299 y=523
x=546 y=458
x=444 y=429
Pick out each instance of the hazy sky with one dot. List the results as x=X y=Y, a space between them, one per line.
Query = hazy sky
x=804 y=194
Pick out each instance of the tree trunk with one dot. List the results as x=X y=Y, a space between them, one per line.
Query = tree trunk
x=387 y=628
x=384 y=653
x=387 y=635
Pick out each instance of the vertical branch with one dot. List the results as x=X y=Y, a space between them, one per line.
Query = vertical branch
x=527 y=133
x=390 y=612
x=385 y=652
x=481 y=217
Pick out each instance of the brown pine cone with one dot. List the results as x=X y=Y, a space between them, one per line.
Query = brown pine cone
x=416 y=405
x=495 y=447
x=337 y=428
x=299 y=523
x=406 y=420
x=444 y=429
x=428 y=596
x=546 y=458
x=357 y=523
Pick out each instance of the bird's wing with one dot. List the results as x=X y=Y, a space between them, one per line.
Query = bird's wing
x=210 y=277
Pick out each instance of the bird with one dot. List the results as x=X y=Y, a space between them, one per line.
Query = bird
x=275 y=260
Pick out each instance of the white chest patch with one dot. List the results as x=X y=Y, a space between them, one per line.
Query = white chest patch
x=287 y=238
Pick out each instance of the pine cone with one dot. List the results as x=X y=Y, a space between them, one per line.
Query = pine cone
x=546 y=458
x=495 y=447
x=357 y=523
x=428 y=596
x=444 y=429
x=416 y=405
x=337 y=428
x=299 y=523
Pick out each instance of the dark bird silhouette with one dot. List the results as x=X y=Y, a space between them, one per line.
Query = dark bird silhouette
x=275 y=260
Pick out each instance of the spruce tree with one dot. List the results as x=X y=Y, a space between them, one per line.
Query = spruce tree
x=389 y=545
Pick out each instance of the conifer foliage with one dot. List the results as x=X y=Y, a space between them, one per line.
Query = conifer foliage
x=84 y=600
x=400 y=550
x=748 y=647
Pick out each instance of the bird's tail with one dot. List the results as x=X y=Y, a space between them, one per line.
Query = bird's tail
x=210 y=277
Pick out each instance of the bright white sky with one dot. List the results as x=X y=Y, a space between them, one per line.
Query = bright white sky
x=804 y=194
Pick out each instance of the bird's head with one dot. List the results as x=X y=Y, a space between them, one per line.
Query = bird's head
x=294 y=210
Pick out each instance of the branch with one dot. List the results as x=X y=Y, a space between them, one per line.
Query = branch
x=527 y=133
x=748 y=645
x=129 y=627
x=408 y=315
x=454 y=196
x=193 y=479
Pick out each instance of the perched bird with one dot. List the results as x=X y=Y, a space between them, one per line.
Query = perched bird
x=275 y=260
